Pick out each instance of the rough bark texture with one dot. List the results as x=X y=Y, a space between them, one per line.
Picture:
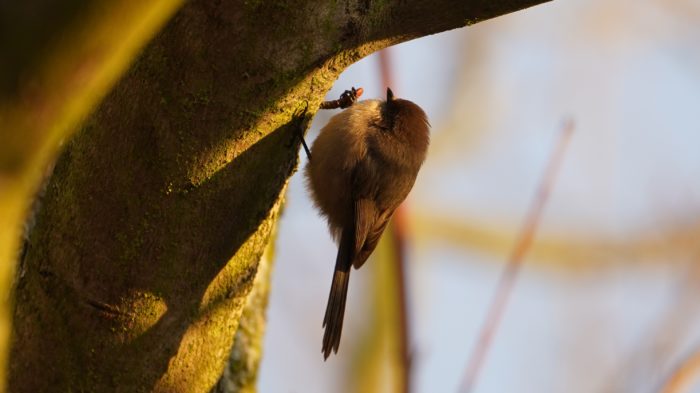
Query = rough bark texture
x=240 y=375
x=158 y=211
x=57 y=59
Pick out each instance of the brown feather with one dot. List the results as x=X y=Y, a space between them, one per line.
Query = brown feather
x=365 y=161
x=335 y=308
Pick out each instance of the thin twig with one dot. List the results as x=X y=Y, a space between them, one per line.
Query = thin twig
x=306 y=148
x=402 y=288
x=301 y=129
x=346 y=100
x=510 y=273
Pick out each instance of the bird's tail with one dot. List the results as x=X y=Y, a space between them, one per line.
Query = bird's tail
x=335 y=310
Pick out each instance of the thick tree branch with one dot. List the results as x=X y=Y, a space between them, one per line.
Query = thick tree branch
x=57 y=60
x=159 y=209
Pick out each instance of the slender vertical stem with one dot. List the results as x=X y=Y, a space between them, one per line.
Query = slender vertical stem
x=399 y=233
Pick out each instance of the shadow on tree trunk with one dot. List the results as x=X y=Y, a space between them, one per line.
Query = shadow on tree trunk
x=123 y=295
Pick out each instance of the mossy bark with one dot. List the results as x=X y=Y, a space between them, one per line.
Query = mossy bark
x=240 y=375
x=155 y=219
x=57 y=60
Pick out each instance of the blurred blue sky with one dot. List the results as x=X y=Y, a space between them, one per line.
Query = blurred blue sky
x=496 y=93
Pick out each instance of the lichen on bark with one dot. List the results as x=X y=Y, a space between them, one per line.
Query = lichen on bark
x=241 y=372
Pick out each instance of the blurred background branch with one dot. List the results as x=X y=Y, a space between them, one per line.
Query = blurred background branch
x=516 y=258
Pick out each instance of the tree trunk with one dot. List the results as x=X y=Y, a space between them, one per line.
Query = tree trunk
x=58 y=59
x=158 y=211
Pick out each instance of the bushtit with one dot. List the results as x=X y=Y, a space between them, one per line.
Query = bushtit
x=364 y=162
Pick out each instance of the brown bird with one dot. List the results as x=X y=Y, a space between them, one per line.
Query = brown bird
x=364 y=163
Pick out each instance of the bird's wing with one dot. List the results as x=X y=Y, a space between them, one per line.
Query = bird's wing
x=369 y=221
x=370 y=243
x=365 y=215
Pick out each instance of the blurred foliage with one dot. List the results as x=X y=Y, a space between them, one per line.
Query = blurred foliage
x=561 y=250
